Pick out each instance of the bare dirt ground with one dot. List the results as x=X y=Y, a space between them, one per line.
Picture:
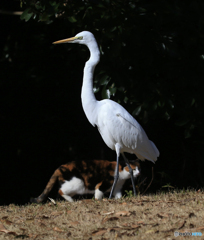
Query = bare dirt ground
x=143 y=217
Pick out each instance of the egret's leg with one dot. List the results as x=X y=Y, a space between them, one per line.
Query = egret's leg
x=117 y=148
x=131 y=173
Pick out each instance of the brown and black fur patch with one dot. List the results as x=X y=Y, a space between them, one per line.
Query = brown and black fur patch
x=96 y=174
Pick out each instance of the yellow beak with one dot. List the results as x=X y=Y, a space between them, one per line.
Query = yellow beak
x=65 y=40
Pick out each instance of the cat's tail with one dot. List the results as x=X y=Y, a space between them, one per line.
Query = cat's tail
x=48 y=188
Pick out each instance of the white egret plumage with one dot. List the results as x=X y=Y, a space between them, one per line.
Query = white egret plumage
x=119 y=130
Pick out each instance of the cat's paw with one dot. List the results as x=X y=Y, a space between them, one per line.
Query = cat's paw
x=118 y=195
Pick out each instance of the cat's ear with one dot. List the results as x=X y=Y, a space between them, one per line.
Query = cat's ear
x=135 y=162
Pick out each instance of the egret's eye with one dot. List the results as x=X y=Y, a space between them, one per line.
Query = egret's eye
x=80 y=38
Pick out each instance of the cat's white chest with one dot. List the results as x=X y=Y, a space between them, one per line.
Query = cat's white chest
x=75 y=186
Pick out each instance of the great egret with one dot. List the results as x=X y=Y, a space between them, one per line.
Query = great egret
x=119 y=130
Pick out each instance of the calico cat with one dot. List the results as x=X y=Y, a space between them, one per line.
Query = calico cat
x=84 y=177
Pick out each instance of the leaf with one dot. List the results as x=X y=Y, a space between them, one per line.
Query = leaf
x=74 y=223
x=125 y=100
x=89 y=8
x=44 y=17
x=106 y=199
x=56 y=213
x=100 y=5
x=199 y=228
x=104 y=79
x=58 y=229
x=113 y=29
x=22 y=236
x=96 y=89
x=193 y=101
x=140 y=222
x=125 y=225
x=53 y=4
x=135 y=226
x=182 y=121
x=99 y=233
x=105 y=93
x=109 y=219
x=3 y=229
x=162 y=215
x=22 y=229
x=191 y=225
x=72 y=19
x=26 y=15
x=107 y=213
x=42 y=224
x=161 y=103
x=8 y=222
x=167 y=186
x=29 y=218
x=189 y=199
x=154 y=106
x=52 y=200
x=113 y=229
x=166 y=116
x=149 y=231
x=181 y=224
x=112 y=90
x=137 y=110
x=171 y=103
x=191 y=215
x=123 y=213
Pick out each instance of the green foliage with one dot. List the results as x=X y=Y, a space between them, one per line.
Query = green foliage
x=168 y=185
x=26 y=15
x=129 y=193
x=151 y=53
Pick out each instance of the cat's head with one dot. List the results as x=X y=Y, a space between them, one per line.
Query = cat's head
x=135 y=165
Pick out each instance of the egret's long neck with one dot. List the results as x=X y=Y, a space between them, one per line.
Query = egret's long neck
x=87 y=95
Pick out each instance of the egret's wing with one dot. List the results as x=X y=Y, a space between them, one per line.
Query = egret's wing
x=127 y=131
x=134 y=137
x=122 y=128
x=116 y=125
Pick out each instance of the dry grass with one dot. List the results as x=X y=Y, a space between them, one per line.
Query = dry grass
x=144 y=217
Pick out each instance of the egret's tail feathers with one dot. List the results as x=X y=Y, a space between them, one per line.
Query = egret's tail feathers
x=157 y=153
x=152 y=154
x=144 y=156
x=140 y=156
